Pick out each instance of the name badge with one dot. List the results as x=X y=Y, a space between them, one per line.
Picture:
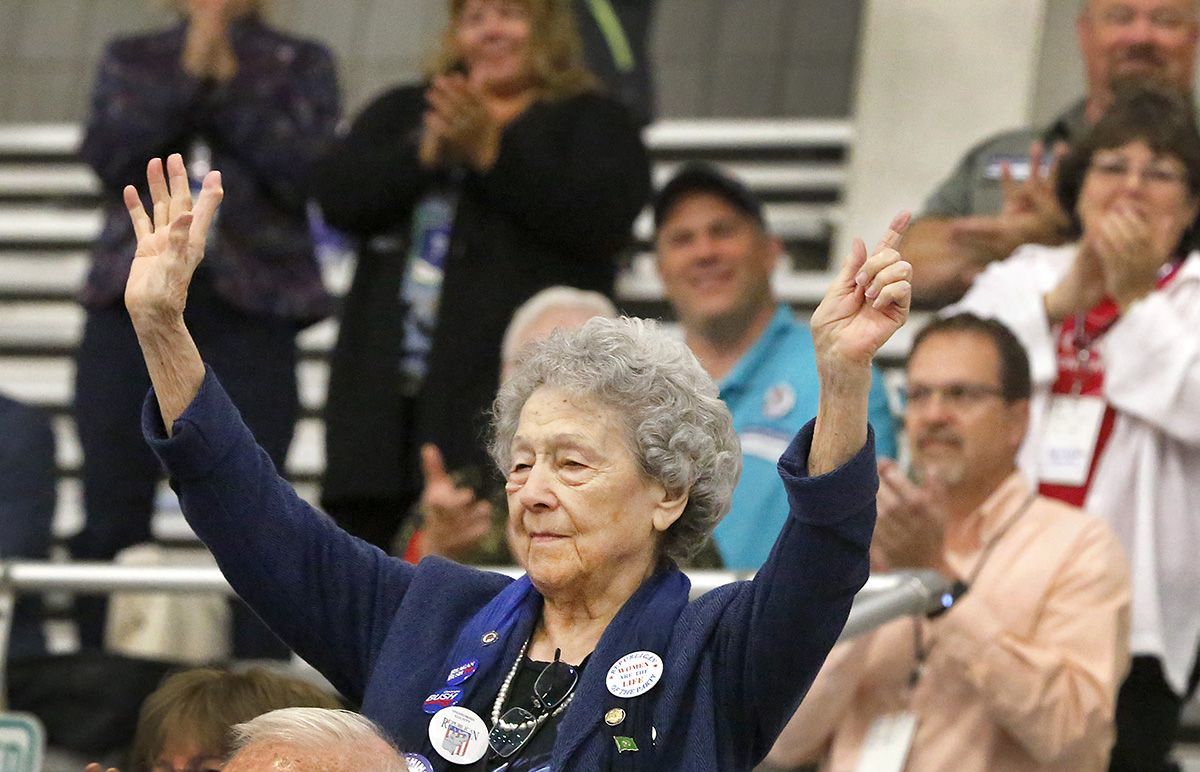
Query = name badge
x=1069 y=440
x=886 y=746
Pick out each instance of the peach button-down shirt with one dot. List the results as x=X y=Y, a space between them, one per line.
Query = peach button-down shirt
x=1021 y=674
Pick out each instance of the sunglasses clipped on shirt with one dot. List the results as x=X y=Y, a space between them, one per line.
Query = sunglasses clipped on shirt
x=517 y=726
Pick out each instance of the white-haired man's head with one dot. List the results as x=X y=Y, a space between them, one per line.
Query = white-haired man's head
x=548 y=310
x=312 y=740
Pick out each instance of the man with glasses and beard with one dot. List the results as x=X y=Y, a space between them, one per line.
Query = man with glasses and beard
x=1019 y=668
x=1001 y=193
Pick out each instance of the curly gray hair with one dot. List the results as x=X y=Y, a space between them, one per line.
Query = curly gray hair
x=677 y=427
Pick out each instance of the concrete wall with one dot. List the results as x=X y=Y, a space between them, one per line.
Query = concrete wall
x=934 y=78
x=713 y=57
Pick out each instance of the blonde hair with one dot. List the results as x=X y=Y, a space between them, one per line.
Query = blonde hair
x=200 y=705
x=555 y=48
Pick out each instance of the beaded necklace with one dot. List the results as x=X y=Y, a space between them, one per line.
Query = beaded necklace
x=502 y=695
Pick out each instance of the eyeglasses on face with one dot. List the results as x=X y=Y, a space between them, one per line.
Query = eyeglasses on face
x=1161 y=19
x=1161 y=173
x=517 y=726
x=956 y=395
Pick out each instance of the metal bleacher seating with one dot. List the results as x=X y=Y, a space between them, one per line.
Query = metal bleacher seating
x=49 y=215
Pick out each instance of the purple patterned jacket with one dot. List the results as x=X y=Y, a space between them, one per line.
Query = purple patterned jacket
x=264 y=127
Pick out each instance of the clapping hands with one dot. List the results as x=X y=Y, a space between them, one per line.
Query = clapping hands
x=458 y=127
x=911 y=522
x=207 y=48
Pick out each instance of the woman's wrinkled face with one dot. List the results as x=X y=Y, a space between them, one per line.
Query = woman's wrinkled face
x=1133 y=178
x=493 y=41
x=582 y=514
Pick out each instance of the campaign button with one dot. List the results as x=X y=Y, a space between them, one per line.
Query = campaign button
x=634 y=674
x=462 y=673
x=458 y=735
x=443 y=699
x=415 y=762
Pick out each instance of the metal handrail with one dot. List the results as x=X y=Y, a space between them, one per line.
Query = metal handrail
x=884 y=597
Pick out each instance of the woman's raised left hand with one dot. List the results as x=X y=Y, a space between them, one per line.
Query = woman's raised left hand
x=867 y=302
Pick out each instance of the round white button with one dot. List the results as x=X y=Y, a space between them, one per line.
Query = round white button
x=634 y=674
x=458 y=735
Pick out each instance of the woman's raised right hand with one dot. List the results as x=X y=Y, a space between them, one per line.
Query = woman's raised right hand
x=170 y=241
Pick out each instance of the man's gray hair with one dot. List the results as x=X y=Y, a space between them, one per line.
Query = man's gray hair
x=552 y=297
x=326 y=732
x=676 y=425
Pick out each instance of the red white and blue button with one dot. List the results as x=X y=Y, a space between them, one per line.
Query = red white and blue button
x=462 y=673
x=443 y=699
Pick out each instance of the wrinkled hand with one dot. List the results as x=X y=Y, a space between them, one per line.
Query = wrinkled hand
x=94 y=767
x=1128 y=254
x=910 y=525
x=458 y=127
x=1031 y=213
x=867 y=302
x=455 y=521
x=170 y=241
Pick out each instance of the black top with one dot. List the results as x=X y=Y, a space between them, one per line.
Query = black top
x=570 y=177
x=535 y=755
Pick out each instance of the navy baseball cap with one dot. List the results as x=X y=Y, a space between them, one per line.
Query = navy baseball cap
x=697 y=177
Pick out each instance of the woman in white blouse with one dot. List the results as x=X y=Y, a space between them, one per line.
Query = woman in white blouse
x=1110 y=323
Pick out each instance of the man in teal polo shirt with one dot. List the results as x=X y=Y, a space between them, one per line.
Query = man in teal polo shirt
x=715 y=257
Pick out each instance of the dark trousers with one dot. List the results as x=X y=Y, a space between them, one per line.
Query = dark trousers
x=1147 y=718
x=255 y=360
x=377 y=519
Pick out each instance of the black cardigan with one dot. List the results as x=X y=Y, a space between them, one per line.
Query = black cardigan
x=556 y=208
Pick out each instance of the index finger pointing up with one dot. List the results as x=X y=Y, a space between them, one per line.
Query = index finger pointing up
x=895 y=232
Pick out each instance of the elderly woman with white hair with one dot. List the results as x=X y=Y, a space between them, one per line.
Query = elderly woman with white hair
x=619 y=458
x=312 y=740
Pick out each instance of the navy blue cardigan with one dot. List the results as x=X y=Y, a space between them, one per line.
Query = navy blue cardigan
x=738 y=660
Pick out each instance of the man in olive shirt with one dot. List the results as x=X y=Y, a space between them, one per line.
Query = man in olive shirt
x=1001 y=194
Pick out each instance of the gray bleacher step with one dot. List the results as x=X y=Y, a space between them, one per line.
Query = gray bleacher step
x=791 y=222
x=662 y=137
x=49 y=382
x=30 y=225
x=42 y=272
x=47 y=179
x=766 y=178
x=167 y=524
x=699 y=135
x=54 y=328
x=306 y=456
x=40 y=139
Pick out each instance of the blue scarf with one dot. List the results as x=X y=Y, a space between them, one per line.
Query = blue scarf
x=492 y=637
